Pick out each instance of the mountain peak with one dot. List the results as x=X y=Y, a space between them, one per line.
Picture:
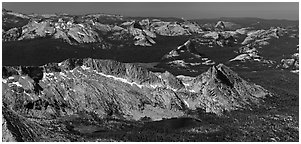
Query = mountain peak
x=186 y=57
x=223 y=90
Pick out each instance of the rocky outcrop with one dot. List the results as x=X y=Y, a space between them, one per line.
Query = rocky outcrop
x=287 y=63
x=11 y=34
x=7 y=135
x=192 y=27
x=142 y=37
x=220 y=89
x=174 y=28
x=261 y=37
x=68 y=31
x=186 y=58
x=246 y=57
x=222 y=25
x=126 y=75
x=145 y=31
x=171 y=30
x=125 y=79
x=34 y=30
x=188 y=48
x=291 y=63
x=250 y=55
x=255 y=40
x=222 y=39
x=96 y=27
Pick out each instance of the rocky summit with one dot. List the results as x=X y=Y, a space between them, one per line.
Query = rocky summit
x=186 y=58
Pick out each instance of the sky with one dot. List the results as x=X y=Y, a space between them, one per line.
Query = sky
x=187 y=10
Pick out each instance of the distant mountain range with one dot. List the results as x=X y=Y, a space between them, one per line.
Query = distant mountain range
x=101 y=77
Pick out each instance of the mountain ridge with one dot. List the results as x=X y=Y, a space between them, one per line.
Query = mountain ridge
x=99 y=77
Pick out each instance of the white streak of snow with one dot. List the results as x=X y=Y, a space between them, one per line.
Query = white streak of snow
x=11 y=77
x=186 y=103
x=120 y=79
x=84 y=67
x=186 y=84
x=59 y=64
x=49 y=74
x=17 y=83
x=193 y=91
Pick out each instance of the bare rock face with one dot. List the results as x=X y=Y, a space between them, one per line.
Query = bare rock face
x=171 y=30
x=145 y=30
x=94 y=28
x=223 y=90
x=171 y=81
x=110 y=89
x=222 y=25
x=68 y=31
x=255 y=40
x=174 y=29
x=291 y=63
x=7 y=135
x=65 y=86
x=23 y=129
x=220 y=89
x=219 y=38
x=63 y=93
x=34 y=30
x=186 y=58
x=11 y=34
x=261 y=37
x=142 y=36
x=192 y=27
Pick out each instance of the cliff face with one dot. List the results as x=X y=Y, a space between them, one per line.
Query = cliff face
x=107 y=88
x=100 y=86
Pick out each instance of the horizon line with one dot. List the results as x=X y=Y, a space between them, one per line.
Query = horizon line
x=213 y=18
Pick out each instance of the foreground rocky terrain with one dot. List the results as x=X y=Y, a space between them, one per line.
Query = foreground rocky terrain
x=100 y=77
